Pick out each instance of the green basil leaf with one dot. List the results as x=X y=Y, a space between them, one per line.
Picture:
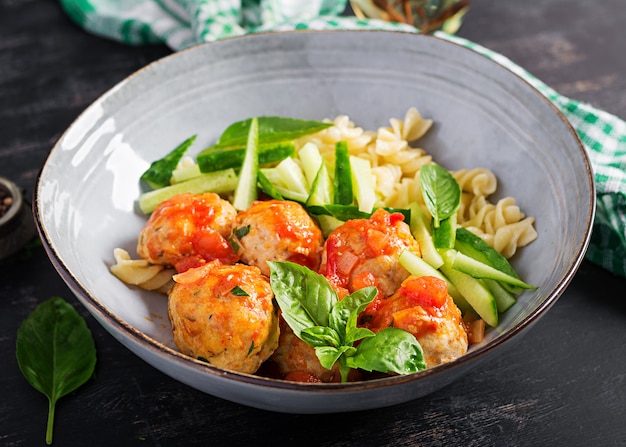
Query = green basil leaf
x=271 y=129
x=390 y=350
x=238 y=291
x=328 y=355
x=55 y=352
x=344 y=315
x=305 y=297
x=441 y=191
x=320 y=336
x=160 y=171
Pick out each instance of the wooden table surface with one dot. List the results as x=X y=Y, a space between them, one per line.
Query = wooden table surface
x=562 y=384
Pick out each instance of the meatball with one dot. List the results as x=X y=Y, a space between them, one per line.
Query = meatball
x=188 y=230
x=364 y=252
x=423 y=307
x=224 y=314
x=277 y=230
x=295 y=360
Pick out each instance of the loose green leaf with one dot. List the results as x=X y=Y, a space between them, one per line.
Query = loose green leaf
x=272 y=129
x=390 y=350
x=159 y=173
x=441 y=191
x=55 y=352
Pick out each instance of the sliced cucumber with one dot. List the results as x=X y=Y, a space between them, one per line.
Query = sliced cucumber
x=471 y=245
x=504 y=299
x=215 y=158
x=363 y=183
x=420 y=230
x=475 y=293
x=445 y=234
x=343 y=193
x=477 y=269
x=218 y=182
x=246 y=191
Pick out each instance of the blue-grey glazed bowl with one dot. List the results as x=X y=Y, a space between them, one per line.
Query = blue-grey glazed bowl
x=485 y=116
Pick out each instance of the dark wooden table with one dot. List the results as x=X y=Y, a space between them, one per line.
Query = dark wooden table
x=563 y=384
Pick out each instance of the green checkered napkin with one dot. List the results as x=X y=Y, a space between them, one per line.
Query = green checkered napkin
x=183 y=23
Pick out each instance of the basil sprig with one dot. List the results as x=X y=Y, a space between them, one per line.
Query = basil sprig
x=55 y=352
x=313 y=311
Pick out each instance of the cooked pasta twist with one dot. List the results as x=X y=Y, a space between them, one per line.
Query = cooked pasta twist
x=141 y=273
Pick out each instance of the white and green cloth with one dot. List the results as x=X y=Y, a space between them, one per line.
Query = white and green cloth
x=183 y=23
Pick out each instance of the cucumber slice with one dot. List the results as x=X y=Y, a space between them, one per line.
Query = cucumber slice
x=363 y=183
x=343 y=193
x=445 y=234
x=471 y=245
x=311 y=159
x=184 y=173
x=504 y=299
x=218 y=182
x=215 y=158
x=246 y=191
x=321 y=189
x=477 y=269
x=475 y=293
x=420 y=229
x=266 y=186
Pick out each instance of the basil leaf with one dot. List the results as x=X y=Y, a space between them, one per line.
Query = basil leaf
x=441 y=191
x=272 y=129
x=305 y=297
x=238 y=291
x=390 y=350
x=328 y=355
x=343 y=317
x=160 y=171
x=55 y=352
x=320 y=336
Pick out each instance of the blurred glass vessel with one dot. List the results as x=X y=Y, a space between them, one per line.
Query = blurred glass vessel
x=426 y=15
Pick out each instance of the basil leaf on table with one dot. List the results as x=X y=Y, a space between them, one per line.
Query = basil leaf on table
x=441 y=191
x=55 y=352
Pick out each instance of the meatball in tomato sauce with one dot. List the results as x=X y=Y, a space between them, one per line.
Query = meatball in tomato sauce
x=423 y=307
x=277 y=230
x=187 y=231
x=224 y=314
x=365 y=252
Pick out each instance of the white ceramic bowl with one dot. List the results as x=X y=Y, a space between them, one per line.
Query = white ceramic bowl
x=485 y=116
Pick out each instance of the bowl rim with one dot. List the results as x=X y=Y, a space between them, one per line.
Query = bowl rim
x=119 y=326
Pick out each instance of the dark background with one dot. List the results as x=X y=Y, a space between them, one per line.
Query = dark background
x=563 y=384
